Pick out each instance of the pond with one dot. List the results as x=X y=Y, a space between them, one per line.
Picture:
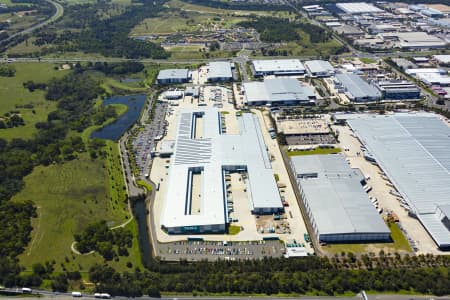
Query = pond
x=116 y=129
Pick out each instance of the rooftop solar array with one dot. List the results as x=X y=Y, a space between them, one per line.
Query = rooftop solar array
x=413 y=151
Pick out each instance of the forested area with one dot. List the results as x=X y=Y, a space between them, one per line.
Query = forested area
x=275 y=30
x=83 y=30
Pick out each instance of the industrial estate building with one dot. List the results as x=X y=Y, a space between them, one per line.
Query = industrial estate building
x=413 y=151
x=219 y=71
x=319 y=68
x=202 y=157
x=358 y=8
x=277 y=67
x=169 y=76
x=337 y=205
x=398 y=90
x=355 y=88
x=278 y=91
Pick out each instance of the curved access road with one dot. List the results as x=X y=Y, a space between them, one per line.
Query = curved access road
x=58 y=14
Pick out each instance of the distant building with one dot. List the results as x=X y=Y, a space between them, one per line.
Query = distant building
x=277 y=67
x=338 y=208
x=219 y=71
x=442 y=59
x=358 y=8
x=319 y=68
x=398 y=90
x=355 y=88
x=278 y=91
x=170 y=76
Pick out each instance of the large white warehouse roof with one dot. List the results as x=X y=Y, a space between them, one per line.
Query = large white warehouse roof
x=214 y=152
x=335 y=199
x=413 y=151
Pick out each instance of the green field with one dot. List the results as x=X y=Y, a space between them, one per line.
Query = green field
x=177 y=20
x=315 y=151
x=205 y=9
x=69 y=196
x=13 y=93
x=367 y=60
x=399 y=244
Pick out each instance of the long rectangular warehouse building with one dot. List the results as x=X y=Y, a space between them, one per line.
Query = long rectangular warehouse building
x=413 y=151
x=196 y=200
x=337 y=205
x=277 y=67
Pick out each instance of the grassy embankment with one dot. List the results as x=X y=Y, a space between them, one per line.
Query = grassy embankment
x=399 y=244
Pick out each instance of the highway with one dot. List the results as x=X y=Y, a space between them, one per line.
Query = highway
x=58 y=14
x=44 y=295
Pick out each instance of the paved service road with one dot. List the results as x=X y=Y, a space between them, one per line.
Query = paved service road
x=58 y=14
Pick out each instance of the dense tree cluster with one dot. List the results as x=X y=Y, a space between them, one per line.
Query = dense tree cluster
x=98 y=237
x=7 y=70
x=275 y=30
x=427 y=274
x=31 y=86
x=10 y=120
x=120 y=68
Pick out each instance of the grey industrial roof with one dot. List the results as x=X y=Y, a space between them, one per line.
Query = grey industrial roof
x=445 y=209
x=278 y=89
x=173 y=74
x=278 y=65
x=213 y=151
x=356 y=86
x=413 y=150
x=336 y=198
x=319 y=66
x=219 y=69
x=358 y=8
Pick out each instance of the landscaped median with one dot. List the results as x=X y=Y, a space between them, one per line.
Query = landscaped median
x=145 y=185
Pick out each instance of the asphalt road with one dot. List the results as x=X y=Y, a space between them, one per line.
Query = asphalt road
x=58 y=14
x=65 y=296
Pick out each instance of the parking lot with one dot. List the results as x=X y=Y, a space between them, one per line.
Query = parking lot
x=214 y=250
x=146 y=139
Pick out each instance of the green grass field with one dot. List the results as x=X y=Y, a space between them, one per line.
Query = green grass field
x=13 y=93
x=69 y=196
x=399 y=244
x=315 y=151
x=205 y=9
x=367 y=60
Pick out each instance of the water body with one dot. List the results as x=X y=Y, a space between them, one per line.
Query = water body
x=116 y=129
